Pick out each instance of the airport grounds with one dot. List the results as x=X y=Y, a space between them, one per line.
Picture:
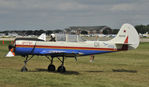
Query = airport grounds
x=119 y=69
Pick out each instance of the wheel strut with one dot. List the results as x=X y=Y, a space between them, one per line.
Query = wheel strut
x=51 y=67
x=24 y=68
x=61 y=68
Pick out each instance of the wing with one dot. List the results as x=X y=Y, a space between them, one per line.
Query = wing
x=61 y=53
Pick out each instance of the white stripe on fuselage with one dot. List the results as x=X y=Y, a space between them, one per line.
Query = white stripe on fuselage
x=94 y=44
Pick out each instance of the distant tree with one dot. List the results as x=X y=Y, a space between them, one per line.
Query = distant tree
x=140 y=28
x=57 y=31
x=105 y=32
x=39 y=32
x=115 y=31
x=48 y=32
x=36 y=32
x=29 y=32
x=84 y=32
x=6 y=32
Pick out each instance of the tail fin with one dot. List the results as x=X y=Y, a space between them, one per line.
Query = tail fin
x=127 y=36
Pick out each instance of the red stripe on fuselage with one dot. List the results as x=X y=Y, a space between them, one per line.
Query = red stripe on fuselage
x=66 y=47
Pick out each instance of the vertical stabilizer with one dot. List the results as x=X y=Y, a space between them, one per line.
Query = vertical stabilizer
x=127 y=35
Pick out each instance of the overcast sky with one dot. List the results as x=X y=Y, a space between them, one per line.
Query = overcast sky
x=59 y=14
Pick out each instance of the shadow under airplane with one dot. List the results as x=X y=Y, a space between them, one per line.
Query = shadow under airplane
x=66 y=73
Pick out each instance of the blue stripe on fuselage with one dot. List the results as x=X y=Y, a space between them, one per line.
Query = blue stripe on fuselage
x=37 y=51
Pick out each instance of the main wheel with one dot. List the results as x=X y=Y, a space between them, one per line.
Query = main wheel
x=24 y=69
x=51 y=67
x=61 y=69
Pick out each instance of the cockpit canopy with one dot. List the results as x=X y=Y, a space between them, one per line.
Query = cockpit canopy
x=58 y=37
x=68 y=38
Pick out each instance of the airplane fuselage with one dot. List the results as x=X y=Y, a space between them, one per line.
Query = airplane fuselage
x=25 y=47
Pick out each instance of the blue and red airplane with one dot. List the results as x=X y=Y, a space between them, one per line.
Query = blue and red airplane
x=126 y=39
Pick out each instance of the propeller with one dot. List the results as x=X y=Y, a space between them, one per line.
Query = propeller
x=10 y=53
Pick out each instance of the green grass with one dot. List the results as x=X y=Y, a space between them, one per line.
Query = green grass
x=131 y=70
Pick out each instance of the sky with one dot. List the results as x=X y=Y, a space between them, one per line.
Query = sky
x=60 y=14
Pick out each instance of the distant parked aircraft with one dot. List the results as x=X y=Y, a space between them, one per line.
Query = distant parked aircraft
x=144 y=35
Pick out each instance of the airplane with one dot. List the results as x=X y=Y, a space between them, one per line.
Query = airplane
x=144 y=35
x=126 y=39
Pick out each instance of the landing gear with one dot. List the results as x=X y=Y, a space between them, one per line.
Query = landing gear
x=24 y=68
x=61 y=68
x=51 y=67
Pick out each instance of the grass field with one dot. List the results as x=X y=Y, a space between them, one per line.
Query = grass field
x=121 y=69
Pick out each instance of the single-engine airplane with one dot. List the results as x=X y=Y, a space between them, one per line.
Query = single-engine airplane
x=126 y=39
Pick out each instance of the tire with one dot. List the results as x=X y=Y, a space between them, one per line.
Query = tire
x=61 y=69
x=51 y=67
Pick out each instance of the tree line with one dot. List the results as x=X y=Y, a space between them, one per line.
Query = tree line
x=32 y=32
x=140 y=29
